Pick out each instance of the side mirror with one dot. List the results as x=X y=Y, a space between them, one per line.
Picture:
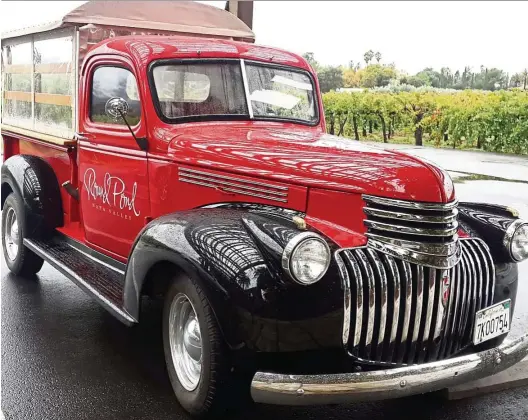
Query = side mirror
x=116 y=108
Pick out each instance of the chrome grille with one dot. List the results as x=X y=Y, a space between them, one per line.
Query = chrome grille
x=397 y=312
x=422 y=233
x=234 y=184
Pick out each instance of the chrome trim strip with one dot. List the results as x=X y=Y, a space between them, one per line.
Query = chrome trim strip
x=464 y=309
x=246 y=87
x=184 y=176
x=450 y=316
x=477 y=273
x=408 y=300
x=486 y=282
x=232 y=178
x=363 y=261
x=417 y=257
x=347 y=301
x=473 y=288
x=388 y=214
x=450 y=230
x=441 y=310
x=234 y=190
x=287 y=389
x=382 y=277
x=418 y=313
x=431 y=285
x=395 y=277
x=359 y=298
x=410 y=204
x=457 y=300
x=442 y=249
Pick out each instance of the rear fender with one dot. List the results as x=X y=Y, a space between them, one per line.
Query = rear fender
x=35 y=182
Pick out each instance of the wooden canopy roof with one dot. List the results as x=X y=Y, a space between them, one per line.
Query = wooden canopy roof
x=186 y=17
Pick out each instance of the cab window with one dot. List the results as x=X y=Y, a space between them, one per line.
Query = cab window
x=111 y=82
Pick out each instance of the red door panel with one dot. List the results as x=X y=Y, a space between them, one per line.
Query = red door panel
x=113 y=176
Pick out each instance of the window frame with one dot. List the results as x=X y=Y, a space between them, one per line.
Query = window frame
x=227 y=117
x=89 y=113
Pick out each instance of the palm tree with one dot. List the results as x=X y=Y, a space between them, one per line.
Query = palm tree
x=369 y=55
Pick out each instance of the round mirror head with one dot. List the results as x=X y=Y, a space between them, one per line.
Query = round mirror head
x=116 y=108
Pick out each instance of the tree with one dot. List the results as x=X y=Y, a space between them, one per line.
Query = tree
x=524 y=75
x=368 y=56
x=378 y=56
x=352 y=78
x=310 y=57
x=330 y=78
x=377 y=75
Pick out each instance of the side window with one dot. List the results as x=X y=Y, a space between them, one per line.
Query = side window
x=114 y=82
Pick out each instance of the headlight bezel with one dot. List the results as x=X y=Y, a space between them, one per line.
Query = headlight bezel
x=290 y=248
x=510 y=236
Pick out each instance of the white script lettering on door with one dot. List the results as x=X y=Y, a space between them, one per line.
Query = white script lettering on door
x=111 y=191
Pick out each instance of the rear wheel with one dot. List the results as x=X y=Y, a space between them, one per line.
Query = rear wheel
x=198 y=361
x=19 y=259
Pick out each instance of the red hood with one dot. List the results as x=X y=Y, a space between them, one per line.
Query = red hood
x=310 y=158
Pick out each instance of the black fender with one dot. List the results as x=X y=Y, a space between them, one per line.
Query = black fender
x=235 y=255
x=490 y=222
x=35 y=182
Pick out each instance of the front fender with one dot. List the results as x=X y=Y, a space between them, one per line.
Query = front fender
x=35 y=182
x=235 y=255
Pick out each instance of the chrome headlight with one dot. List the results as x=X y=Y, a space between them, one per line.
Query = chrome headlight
x=516 y=240
x=306 y=258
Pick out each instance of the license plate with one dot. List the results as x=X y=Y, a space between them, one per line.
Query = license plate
x=492 y=322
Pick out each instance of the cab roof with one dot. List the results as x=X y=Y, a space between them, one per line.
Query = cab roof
x=147 y=48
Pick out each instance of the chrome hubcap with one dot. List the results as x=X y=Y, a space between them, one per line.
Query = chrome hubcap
x=185 y=342
x=11 y=235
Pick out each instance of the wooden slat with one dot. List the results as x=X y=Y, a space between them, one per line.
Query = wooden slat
x=17 y=96
x=40 y=98
x=53 y=99
x=55 y=68
x=36 y=135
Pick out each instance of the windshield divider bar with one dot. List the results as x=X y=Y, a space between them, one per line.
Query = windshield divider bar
x=246 y=87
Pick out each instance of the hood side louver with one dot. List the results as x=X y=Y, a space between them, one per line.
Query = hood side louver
x=233 y=184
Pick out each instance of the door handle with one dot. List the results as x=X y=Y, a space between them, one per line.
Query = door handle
x=82 y=137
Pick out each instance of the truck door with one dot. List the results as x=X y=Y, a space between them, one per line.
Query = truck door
x=113 y=179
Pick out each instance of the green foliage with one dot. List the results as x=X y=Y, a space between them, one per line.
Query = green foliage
x=330 y=78
x=377 y=75
x=495 y=121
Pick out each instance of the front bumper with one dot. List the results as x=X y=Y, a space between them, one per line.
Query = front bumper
x=274 y=388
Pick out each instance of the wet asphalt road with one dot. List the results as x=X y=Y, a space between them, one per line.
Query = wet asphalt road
x=64 y=357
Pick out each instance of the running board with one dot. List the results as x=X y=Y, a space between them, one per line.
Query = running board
x=101 y=280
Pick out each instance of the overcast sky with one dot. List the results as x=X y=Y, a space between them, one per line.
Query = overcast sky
x=413 y=35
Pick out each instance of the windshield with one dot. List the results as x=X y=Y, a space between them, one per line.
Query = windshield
x=276 y=92
x=213 y=90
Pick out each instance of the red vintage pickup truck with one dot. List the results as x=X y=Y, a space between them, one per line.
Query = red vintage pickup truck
x=295 y=267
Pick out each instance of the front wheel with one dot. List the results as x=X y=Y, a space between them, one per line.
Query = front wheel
x=198 y=361
x=19 y=259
